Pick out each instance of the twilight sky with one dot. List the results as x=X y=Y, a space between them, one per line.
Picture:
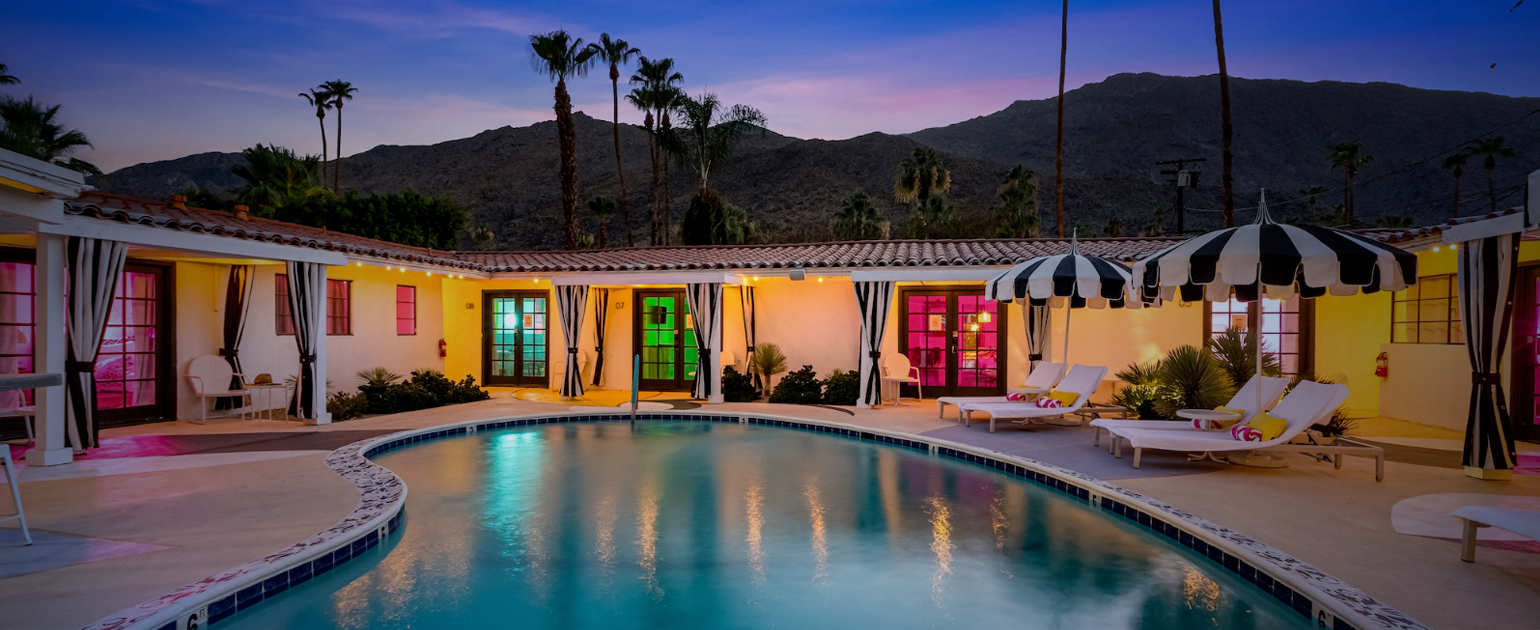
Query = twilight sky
x=159 y=79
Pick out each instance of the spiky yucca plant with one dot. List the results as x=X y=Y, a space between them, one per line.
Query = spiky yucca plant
x=767 y=361
x=1236 y=353
x=1141 y=385
x=377 y=377
x=1190 y=379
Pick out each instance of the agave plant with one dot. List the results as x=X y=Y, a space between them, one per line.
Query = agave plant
x=1191 y=379
x=767 y=361
x=1236 y=353
x=377 y=377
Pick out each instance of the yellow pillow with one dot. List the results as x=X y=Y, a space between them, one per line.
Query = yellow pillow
x=1067 y=398
x=1268 y=425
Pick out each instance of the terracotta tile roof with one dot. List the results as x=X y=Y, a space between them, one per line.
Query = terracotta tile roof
x=163 y=214
x=857 y=254
x=1405 y=235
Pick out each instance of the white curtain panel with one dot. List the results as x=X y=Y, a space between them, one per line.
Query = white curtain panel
x=307 y=300
x=750 y=335
x=571 y=304
x=873 y=299
x=1487 y=270
x=706 y=311
x=601 y=321
x=237 y=304
x=95 y=267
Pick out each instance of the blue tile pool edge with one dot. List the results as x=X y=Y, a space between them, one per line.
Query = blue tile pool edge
x=1311 y=593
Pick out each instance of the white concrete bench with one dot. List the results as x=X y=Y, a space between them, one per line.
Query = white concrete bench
x=1521 y=522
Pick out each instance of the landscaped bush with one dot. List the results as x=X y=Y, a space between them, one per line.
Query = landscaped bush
x=1236 y=353
x=426 y=388
x=346 y=406
x=1190 y=378
x=841 y=388
x=798 y=388
x=737 y=386
x=1141 y=385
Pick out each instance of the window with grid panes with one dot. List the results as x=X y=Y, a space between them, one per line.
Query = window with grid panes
x=1283 y=327
x=406 y=310
x=283 y=320
x=339 y=308
x=1427 y=312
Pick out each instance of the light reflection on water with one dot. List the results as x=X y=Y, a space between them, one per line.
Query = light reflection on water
x=690 y=525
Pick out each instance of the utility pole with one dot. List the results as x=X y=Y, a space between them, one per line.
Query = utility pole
x=1184 y=179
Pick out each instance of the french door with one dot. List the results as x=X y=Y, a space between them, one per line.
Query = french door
x=954 y=337
x=1525 y=387
x=665 y=339
x=515 y=342
x=133 y=383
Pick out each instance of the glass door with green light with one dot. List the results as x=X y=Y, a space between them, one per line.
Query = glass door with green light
x=515 y=341
x=665 y=339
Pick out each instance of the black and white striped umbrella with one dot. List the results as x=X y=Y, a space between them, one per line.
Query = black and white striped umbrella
x=1070 y=279
x=1310 y=260
x=1083 y=280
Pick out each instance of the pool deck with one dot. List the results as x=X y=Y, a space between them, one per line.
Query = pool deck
x=166 y=504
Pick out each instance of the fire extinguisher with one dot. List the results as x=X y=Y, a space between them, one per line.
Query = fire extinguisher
x=1382 y=365
x=443 y=349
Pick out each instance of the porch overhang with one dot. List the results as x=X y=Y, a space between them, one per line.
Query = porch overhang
x=930 y=274
x=632 y=278
x=175 y=240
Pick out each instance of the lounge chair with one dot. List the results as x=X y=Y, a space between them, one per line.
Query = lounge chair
x=1244 y=400
x=1307 y=404
x=1043 y=377
x=1522 y=522
x=1082 y=380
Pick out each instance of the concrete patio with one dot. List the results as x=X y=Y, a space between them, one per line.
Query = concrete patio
x=166 y=504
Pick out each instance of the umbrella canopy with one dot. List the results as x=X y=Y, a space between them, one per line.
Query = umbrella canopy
x=1310 y=260
x=1085 y=281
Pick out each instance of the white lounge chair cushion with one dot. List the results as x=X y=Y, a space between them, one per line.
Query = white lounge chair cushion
x=1309 y=403
x=1244 y=399
x=1082 y=380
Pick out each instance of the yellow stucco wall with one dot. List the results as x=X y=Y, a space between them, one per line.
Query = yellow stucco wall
x=1349 y=333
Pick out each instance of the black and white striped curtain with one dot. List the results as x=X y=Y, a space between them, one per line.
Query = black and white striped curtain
x=872 y=300
x=571 y=303
x=750 y=336
x=1486 y=275
x=601 y=318
x=307 y=297
x=237 y=303
x=706 y=309
x=95 y=267
x=1037 y=333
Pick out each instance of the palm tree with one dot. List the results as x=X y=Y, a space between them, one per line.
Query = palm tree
x=616 y=53
x=559 y=55
x=320 y=99
x=920 y=177
x=33 y=130
x=1455 y=164
x=858 y=219
x=1312 y=194
x=1058 y=145
x=339 y=91
x=1489 y=149
x=1017 y=215
x=602 y=208
x=1349 y=157
x=1226 y=130
x=273 y=176
x=708 y=133
x=5 y=76
x=656 y=93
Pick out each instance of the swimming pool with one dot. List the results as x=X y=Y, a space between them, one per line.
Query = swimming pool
x=718 y=525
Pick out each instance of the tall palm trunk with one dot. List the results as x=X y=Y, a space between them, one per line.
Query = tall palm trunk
x=567 y=137
x=1347 y=198
x=1226 y=130
x=337 y=167
x=1058 y=145
x=320 y=121
x=665 y=213
x=620 y=171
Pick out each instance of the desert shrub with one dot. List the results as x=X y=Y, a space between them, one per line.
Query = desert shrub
x=1141 y=386
x=1191 y=379
x=841 y=388
x=346 y=406
x=426 y=388
x=737 y=386
x=766 y=360
x=800 y=387
x=1236 y=353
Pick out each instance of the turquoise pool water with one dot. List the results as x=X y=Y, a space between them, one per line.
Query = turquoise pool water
x=706 y=525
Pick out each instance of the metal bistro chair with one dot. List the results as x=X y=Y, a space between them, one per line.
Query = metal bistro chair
x=897 y=369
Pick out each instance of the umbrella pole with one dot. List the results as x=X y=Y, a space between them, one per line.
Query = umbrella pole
x=1068 y=310
x=1257 y=335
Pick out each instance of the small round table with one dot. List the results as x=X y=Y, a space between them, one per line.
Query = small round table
x=268 y=389
x=1207 y=415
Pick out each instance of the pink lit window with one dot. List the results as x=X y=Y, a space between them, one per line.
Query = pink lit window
x=339 y=311
x=406 y=310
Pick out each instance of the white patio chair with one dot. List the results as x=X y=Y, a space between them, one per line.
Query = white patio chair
x=1045 y=377
x=1245 y=400
x=897 y=369
x=210 y=377
x=729 y=360
x=1082 y=380
x=1307 y=404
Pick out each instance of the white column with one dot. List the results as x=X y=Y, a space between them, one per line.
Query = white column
x=48 y=350
x=715 y=377
x=318 y=393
